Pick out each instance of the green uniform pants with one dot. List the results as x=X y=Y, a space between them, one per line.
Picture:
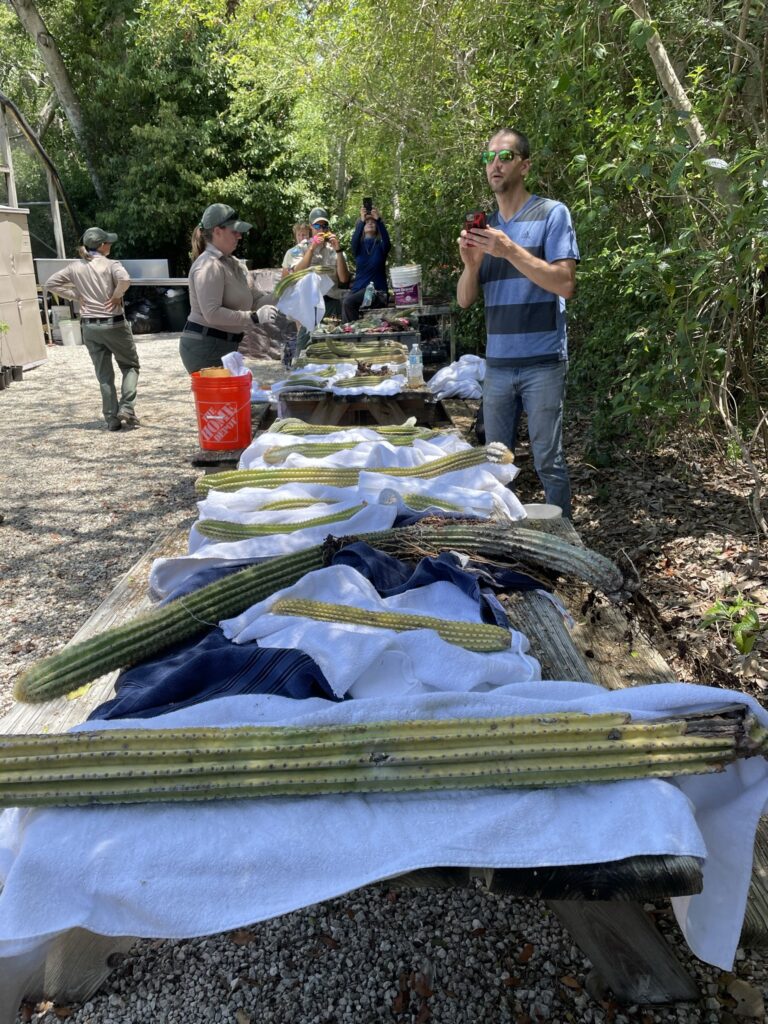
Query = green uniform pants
x=200 y=350
x=105 y=341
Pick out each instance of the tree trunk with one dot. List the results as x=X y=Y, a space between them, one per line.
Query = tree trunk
x=673 y=87
x=46 y=115
x=33 y=24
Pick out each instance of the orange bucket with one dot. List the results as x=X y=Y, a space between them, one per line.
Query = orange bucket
x=223 y=406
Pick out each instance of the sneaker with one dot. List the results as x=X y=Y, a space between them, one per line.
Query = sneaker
x=113 y=423
x=129 y=419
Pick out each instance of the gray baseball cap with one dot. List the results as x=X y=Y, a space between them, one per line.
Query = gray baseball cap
x=318 y=214
x=222 y=216
x=94 y=237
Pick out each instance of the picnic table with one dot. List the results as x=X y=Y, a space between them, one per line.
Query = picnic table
x=600 y=904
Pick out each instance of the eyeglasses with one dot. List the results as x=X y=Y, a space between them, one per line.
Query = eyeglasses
x=504 y=155
x=320 y=224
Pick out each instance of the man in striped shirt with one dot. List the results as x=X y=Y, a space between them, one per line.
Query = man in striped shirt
x=525 y=264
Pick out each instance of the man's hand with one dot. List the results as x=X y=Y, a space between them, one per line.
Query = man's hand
x=491 y=241
x=334 y=243
x=471 y=255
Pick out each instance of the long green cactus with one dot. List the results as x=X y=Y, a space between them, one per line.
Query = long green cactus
x=559 y=749
x=291 y=425
x=221 y=529
x=474 y=636
x=154 y=631
x=320 y=449
x=337 y=476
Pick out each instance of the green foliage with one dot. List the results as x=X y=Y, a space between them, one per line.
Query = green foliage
x=740 y=618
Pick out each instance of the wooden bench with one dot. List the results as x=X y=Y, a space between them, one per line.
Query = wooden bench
x=601 y=905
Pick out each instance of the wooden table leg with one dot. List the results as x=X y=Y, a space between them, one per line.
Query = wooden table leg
x=66 y=969
x=628 y=953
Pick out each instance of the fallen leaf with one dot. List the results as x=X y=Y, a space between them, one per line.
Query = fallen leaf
x=570 y=982
x=401 y=1002
x=749 y=999
x=421 y=985
x=242 y=937
x=423 y=1015
x=329 y=941
x=242 y=1017
x=62 y=1012
x=525 y=953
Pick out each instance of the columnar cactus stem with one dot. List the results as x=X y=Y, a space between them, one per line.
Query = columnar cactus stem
x=142 y=765
x=474 y=636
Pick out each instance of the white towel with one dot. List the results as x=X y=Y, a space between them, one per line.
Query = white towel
x=176 y=871
x=365 y=661
x=462 y=379
x=388 y=386
x=169 y=573
x=303 y=300
x=473 y=490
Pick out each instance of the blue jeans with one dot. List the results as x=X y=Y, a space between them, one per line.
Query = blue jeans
x=541 y=389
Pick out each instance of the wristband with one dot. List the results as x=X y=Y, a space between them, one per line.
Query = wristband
x=340 y=250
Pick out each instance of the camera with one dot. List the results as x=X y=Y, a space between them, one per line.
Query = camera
x=368 y=204
x=475 y=219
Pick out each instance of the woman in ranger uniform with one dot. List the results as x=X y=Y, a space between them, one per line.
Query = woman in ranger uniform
x=98 y=284
x=220 y=295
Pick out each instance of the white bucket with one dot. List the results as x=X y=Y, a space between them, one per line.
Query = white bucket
x=406 y=284
x=70 y=332
x=57 y=314
x=543 y=511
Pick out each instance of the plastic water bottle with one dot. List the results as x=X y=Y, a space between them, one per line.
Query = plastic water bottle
x=415 y=366
x=370 y=291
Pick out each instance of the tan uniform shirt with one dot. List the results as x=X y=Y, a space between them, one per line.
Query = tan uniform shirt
x=91 y=283
x=220 y=294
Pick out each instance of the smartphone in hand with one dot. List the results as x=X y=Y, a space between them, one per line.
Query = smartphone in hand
x=475 y=219
x=367 y=204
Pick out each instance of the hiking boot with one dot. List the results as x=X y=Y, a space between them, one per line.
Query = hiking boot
x=129 y=419
x=113 y=423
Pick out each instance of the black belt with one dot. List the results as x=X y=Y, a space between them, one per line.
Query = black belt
x=211 y=332
x=102 y=319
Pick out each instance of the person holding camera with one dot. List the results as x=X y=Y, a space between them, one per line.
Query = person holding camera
x=221 y=299
x=370 y=246
x=324 y=250
x=524 y=261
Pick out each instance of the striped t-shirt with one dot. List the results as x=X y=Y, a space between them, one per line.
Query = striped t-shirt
x=526 y=324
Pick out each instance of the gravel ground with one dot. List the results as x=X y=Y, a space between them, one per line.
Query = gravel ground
x=78 y=506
